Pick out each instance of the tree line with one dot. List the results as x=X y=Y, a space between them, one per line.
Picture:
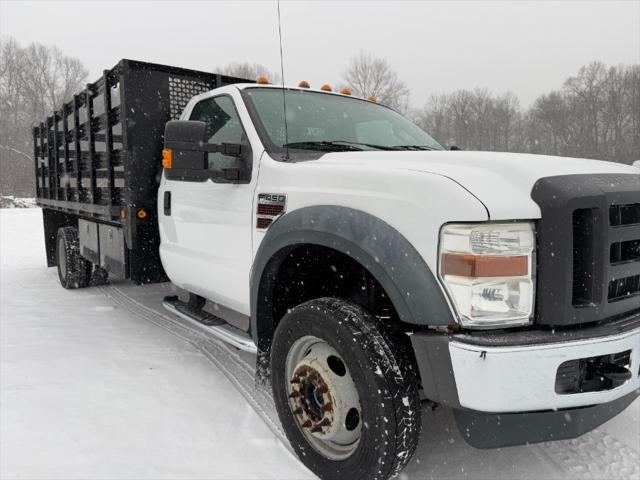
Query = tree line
x=594 y=114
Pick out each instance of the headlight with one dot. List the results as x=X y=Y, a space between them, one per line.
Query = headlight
x=488 y=271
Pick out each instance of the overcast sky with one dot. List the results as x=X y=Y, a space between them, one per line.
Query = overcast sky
x=525 y=47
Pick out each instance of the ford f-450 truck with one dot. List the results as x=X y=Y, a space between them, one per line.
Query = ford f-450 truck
x=371 y=271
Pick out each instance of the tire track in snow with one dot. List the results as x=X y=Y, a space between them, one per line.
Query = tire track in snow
x=239 y=372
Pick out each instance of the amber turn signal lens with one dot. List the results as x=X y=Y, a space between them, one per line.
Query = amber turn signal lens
x=345 y=91
x=474 y=266
x=142 y=214
x=262 y=80
x=326 y=88
x=304 y=84
x=372 y=98
x=167 y=158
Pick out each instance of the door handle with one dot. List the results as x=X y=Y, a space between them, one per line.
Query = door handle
x=167 y=203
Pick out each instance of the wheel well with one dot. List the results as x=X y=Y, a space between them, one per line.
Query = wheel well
x=307 y=271
x=53 y=220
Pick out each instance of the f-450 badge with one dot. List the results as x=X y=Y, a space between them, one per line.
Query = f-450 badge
x=270 y=207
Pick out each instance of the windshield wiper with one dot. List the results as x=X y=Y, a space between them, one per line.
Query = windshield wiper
x=412 y=147
x=343 y=145
x=370 y=145
x=323 y=146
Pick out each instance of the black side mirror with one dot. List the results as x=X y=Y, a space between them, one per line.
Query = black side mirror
x=185 y=139
x=187 y=142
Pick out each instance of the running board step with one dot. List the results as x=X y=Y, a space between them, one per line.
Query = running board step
x=216 y=326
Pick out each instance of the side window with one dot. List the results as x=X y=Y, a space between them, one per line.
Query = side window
x=223 y=126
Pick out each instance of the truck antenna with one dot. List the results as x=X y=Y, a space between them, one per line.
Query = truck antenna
x=284 y=99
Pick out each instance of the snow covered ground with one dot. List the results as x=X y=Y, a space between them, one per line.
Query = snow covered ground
x=103 y=383
x=9 y=201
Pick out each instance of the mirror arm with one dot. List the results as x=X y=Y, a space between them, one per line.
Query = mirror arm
x=228 y=174
x=231 y=149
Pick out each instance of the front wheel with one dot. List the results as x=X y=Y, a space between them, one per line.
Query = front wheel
x=345 y=390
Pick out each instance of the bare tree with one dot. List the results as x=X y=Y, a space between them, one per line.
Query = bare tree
x=250 y=71
x=33 y=82
x=587 y=91
x=369 y=75
x=435 y=118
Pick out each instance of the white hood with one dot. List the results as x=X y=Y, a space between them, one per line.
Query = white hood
x=501 y=181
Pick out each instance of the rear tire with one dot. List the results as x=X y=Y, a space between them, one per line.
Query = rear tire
x=74 y=270
x=331 y=335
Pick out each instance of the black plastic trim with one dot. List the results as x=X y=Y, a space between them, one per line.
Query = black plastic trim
x=488 y=430
x=558 y=302
x=432 y=355
x=377 y=246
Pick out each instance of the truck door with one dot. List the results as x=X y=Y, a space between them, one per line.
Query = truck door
x=206 y=224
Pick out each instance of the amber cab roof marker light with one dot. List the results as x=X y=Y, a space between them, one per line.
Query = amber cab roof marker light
x=372 y=98
x=304 y=84
x=262 y=80
x=345 y=91
x=326 y=88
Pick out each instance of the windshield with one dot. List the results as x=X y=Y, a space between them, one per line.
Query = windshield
x=326 y=122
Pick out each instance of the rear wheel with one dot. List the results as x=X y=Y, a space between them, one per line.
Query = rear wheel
x=74 y=270
x=345 y=391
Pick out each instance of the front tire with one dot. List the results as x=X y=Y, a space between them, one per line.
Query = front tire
x=345 y=391
x=74 y=270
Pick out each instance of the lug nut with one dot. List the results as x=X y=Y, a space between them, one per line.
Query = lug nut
x=294 y=394
x=319 y=426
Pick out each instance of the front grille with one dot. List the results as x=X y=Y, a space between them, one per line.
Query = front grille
x=622 y=252
x=583 y=257
x=588 y=248
x=622 y=274
x=624 y=288
x=620 y=215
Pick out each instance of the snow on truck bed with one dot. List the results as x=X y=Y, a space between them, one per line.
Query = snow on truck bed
x=103 y=383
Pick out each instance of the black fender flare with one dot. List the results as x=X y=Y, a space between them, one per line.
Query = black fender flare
x=377 y=246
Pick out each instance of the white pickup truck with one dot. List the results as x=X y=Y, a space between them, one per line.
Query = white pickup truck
x=371 y=271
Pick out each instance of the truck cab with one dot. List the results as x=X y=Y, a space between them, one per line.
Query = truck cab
x=373 y=272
